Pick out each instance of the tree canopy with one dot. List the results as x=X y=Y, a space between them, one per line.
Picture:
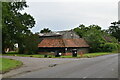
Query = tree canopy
x=16 y=29
x=114 y=30
x=15 y=24
x=95 y=36
x=45 y=30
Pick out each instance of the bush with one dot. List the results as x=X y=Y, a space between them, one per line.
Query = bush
x=119 y=48
x=30 y=44
x=110 y=47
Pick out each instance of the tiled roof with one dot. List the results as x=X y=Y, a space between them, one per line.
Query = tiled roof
x=51 y=43
x=63 y=43
x=75 y=43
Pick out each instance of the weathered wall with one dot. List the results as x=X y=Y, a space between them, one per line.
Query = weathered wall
x=67 y=54
x=64 y=35
x=52 y=51
x=83 y=50
x=79 y=51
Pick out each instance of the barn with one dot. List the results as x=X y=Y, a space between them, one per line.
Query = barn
x=64 y=42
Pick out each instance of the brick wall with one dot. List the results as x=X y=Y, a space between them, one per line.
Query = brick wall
x=67 y=54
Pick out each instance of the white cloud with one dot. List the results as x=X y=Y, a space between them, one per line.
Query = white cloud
x=67 y=15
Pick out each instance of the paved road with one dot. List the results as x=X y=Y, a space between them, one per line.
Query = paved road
x=98 y=67
x=33 y=64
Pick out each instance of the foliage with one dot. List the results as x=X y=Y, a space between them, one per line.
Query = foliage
x=114 y=30
x=95 y=37
x=45 y=30
x=81 y=30
x=119 y=48
x=30 y=43
x=15 y=24
x=16 y=29
x=110 y=47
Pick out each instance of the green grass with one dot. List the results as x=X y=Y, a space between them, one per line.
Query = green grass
x=23 y=55
x=8 y=64
x=88 y=55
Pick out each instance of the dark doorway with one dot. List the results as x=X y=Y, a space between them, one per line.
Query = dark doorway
x=74 y=52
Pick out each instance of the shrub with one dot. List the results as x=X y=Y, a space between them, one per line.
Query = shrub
x=29 y=45
x=110 y=47
x=119 y=48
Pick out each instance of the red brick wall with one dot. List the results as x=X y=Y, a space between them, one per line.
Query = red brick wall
x=67 y=54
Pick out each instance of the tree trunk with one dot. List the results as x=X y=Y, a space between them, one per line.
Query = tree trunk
x=3 y=49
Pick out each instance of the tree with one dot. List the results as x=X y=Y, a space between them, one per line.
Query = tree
x=95 y=37
x=110 y=47
x=81 y=30
x=45 y=30
x=30 y=43
x=15 y=24
x=114 y=30
x=94 y=27
x=95 y=40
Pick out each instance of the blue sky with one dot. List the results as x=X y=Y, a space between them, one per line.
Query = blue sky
x=68 y=14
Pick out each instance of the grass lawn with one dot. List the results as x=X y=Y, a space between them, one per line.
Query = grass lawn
x=8 y=64
x=23 y=55
x=88 y=55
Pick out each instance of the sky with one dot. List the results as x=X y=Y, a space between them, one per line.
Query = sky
x=119 y=10
x=59 y=15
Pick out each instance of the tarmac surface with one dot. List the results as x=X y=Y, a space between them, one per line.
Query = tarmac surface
x=97 y=67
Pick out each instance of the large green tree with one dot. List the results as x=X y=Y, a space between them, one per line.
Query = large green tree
x=114 y=30
x=81 y=30
x=15 y=24
x=30 y=43
x=95 y=36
